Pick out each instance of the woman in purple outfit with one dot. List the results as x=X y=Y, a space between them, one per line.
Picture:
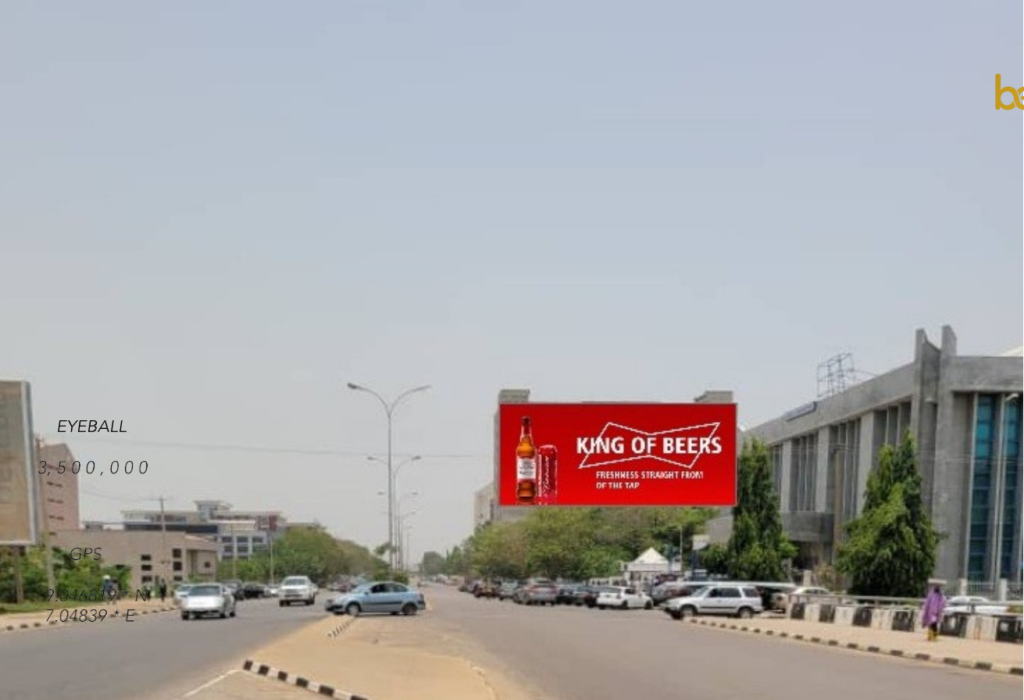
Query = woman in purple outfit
x=931 y=614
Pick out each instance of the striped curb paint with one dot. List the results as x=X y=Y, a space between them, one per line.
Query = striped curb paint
x=873 y=649
x=342 y=628
x=298 y=681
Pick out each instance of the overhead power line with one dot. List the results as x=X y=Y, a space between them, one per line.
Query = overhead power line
x=206 y=447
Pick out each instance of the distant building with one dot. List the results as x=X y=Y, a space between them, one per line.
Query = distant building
x=59 y=492
x=238 y=533
x=174 y=557
x=483 y=505
x=965 y=414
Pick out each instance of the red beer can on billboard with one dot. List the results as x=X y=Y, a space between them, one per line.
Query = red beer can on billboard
x=547 y=474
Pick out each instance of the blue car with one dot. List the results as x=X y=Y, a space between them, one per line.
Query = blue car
x=378 y=597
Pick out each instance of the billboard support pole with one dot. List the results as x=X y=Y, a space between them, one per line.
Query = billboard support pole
x=44 y=522
x=19 y=584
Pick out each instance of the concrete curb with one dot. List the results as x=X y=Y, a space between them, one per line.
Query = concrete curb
x=39 y=624
x=298 y=681
x=929 y=658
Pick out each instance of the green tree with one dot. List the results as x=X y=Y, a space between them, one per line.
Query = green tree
x=715 y=559
x=432 y=564
x=757 y=546
x=890 y=549
x=500 y=551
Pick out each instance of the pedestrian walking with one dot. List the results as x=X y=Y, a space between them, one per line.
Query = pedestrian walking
x=931 y=612
x=163 y=591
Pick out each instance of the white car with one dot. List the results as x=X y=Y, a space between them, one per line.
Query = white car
x=974 y=605
x=297 y=589
x=739 y=600
x=208 y=599
x=624 y=598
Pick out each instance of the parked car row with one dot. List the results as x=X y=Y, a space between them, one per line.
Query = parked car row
x=542 y=591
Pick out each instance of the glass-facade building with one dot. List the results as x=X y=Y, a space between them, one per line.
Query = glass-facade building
x=965 y=415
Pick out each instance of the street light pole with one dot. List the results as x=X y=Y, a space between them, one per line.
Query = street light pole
x=389 y=410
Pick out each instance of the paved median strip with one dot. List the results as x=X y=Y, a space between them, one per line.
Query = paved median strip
x=298 y=681
x=929 y=658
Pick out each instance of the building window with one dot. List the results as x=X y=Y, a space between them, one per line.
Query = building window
x=177 y=566
x=206 y=565
x=147 y=567
x=176 y=553
x=802 y=478
x=178 y=579
x=844 y=453
x=147 y=579
x=146 y=557
x=981 y=487
x=1008 y=568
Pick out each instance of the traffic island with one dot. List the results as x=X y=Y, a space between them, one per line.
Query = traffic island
x=962 y=653
x=379 y=657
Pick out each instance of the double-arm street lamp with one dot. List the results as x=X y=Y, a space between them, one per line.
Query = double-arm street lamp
x=399 y=519
x=389 y=410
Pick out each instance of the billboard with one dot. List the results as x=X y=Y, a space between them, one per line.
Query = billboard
x=18 y=524
x=616 y=454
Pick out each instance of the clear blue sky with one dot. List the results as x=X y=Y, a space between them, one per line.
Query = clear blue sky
x=213 y=215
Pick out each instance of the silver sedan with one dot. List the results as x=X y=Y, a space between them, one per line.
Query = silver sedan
x=208 y=599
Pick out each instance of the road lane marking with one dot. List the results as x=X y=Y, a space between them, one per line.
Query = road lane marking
x=204 y=686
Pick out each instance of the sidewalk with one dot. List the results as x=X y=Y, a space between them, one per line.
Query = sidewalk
x=377 y=658
x=967 y=653
x=17 y=622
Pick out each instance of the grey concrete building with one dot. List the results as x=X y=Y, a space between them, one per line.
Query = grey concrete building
x=965 y=414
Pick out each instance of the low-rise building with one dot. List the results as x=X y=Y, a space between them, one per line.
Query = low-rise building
x=174 y=557
x=240 y=534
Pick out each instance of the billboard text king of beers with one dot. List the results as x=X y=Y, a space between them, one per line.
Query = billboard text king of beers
x=526 y=466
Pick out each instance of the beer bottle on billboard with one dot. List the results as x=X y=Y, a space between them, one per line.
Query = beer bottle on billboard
x=526 y=466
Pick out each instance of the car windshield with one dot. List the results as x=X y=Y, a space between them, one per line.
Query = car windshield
x=199 y=591
x=365 y=588
x=295 y=581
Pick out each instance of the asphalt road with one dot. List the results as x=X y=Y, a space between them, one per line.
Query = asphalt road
x=155 y=656
x=579 y=654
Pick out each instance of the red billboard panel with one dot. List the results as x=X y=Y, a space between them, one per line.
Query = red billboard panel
x=591 y=454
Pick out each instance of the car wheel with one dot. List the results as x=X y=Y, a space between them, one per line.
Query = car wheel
x=184 y=616
x=675 y=615
x=353 y=609
x=232 y=613
x=746 y=613
x=409 y=609
x=648 y=605
x=625 y=605
x=689 y=611
x=280 y=603
x=601 y=607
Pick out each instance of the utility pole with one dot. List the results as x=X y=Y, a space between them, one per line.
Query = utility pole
x=163 y=541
